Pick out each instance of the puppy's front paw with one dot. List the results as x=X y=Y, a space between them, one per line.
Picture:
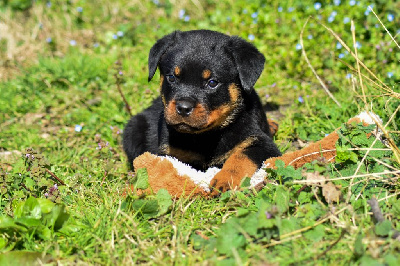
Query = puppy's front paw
x=223 y=181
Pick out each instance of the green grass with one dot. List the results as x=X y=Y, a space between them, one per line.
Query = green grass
x=57 y=71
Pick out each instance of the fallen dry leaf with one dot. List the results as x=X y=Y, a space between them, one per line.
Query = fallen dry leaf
x=315 y=178
x=331 y=192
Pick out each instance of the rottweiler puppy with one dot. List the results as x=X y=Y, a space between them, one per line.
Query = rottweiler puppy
x=208 y=113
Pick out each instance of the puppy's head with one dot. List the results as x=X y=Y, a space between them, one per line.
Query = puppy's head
x=204 y=77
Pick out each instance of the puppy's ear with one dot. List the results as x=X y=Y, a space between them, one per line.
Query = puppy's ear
x=249 y=61
x=158 y=49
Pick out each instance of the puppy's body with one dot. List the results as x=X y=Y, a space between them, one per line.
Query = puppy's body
x=208 y=113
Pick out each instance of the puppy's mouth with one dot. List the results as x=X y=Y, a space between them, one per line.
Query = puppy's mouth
x=185 y=128
x=200 y=119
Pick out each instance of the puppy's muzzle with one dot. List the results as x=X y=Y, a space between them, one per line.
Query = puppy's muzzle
x=185 y=106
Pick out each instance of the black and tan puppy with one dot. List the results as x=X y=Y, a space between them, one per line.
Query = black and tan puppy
x=209 y=113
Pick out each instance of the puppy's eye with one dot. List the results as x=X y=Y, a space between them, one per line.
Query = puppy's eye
x=171 y=78
x=212 y=83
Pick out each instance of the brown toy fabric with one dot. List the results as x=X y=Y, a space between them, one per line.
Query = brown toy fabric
x=162 y=174
x=324 y=148
x=183 y=181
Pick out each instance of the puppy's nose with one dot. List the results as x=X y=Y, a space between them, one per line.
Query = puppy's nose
x=185 y=106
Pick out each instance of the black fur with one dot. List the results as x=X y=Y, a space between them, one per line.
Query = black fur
x=216 y=119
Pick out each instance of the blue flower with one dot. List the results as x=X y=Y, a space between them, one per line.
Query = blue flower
x=120 y=33
x=48 y=4
x=280 y=9
x=341 y=55
x=254 y=15
x=309 y=37
x=346 y=20
x=187 y=18
x=333 y=14
x=317 y=5
x=336 y=2
x=390 y=17
x=96 y=44
x=78 y=128
x=352 y=2
x=72 y=42
x=251 y=37
x=390 y=75
x=49 y=40
x=338 y=45
x=156 y=2
x=300 y=99
x=367 y=12
x=245 y=11
x=331 y=19
x=79 y=9
x=115 y=36
x=298 y=46
x=181 y=13
x=290 y=9
x=228 y=18
x=358 y=45
x=348 y=76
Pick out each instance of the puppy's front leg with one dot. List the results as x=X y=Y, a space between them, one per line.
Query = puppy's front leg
x=236 y=167
x=243 y=161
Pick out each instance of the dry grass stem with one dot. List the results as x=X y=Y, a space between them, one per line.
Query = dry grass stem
x=312 y=68
x=346 y=177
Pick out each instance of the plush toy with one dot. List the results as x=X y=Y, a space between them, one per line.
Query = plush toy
x=181 y=180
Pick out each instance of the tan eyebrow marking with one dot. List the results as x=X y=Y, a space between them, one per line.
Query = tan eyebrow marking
x=206 y=74
x=177 y=71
